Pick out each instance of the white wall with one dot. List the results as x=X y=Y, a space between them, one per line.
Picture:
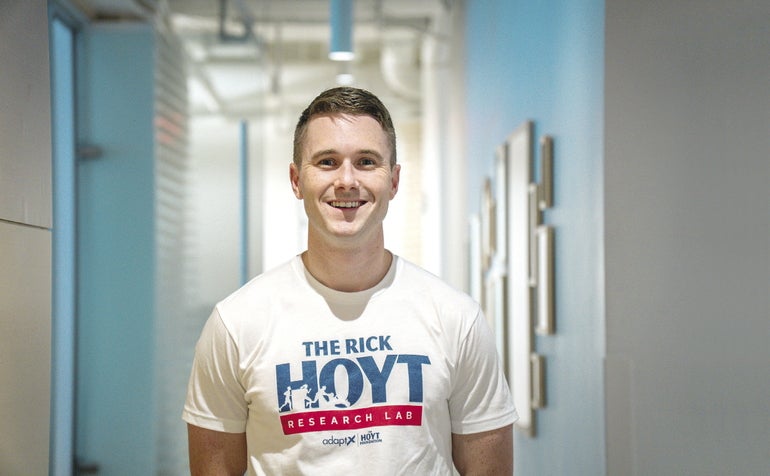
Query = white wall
x=215 y=201
x=25 y=114
x=687 y=209
x=25 y=238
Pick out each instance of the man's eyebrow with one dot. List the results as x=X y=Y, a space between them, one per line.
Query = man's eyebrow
x=323 y=152
x=370 y=152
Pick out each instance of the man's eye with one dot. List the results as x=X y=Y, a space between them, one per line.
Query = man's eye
x=326 y=162
x=366 y=161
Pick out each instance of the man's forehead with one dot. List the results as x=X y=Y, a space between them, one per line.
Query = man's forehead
x=342 y=133
x=339 y=118
x=345 y=128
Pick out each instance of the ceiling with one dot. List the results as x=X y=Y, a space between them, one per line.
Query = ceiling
x=251 y=56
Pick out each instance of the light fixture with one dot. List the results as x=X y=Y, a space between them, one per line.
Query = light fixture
x=341 y=21
x=344 y=75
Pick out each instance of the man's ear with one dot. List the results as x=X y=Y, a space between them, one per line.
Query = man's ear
x=294 y=178
x=395 y=177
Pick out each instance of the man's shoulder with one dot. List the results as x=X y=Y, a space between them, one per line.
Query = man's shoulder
x=422 y=281
x=271 y=283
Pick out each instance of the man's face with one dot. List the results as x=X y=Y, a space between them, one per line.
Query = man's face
x=345 y=179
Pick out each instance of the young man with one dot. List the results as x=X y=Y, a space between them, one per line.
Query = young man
x=347 y=358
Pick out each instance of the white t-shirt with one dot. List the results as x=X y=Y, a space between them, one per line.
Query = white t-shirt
x=326 y=382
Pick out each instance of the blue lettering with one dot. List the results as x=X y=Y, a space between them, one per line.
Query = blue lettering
x=378 y=378
x=384 y=344
x=322 y=347
x=371 y=344
x=285 y=386
x=350 y=346
x=304 y=393
x=355 y=378
x=414 y=366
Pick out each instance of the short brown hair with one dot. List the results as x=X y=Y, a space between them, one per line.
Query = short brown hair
x=345 y=100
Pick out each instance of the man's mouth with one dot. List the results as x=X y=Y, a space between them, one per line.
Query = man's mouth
x=346 y=203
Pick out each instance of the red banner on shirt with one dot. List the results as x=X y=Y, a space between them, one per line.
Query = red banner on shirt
x=330 y=420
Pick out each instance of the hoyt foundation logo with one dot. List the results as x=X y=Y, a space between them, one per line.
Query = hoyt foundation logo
x=308 y=399
x=353 y=440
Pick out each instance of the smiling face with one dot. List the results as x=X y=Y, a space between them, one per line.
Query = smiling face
x=345 y=179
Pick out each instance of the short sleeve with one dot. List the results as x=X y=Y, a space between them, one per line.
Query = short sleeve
x=215 y=395
x=481 y=399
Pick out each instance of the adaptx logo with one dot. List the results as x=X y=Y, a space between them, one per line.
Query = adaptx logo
x=344 y=441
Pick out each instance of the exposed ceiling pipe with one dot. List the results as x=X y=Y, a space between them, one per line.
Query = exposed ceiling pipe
x=400 y=66
x=399 y=60
x=276 y=60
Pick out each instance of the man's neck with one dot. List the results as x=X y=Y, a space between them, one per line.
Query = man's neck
x=348 y=270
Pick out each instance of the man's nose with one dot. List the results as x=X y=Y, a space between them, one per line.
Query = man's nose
x=346 y=176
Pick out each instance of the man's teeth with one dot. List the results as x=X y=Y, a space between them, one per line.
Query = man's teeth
x=346 y=204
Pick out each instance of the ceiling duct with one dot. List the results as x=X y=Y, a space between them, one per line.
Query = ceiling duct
x=246 y=19
x=400 y=66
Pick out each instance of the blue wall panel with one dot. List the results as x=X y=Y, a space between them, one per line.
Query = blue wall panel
x=543 y=61
x=115 y=406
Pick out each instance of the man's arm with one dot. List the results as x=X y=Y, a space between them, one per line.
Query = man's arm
x=485 y=453
x=215 y=453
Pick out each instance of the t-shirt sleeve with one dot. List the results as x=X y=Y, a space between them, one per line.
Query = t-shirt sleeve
x=215 y=395
x=481 y=399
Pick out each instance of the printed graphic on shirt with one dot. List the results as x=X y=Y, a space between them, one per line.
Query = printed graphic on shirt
x=309 y=398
